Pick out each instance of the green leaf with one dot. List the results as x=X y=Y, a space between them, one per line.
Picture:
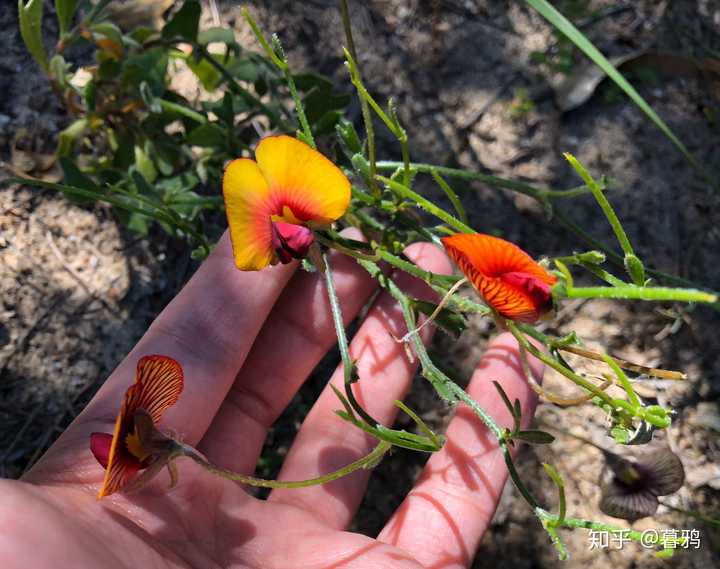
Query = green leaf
x=184 y=24
x=563 y=25
x=59 y=70
x=207 y=135
x=349 y=137
x=451 y=322
x=207 y=74
x=65 y=9
x=216 y=35
x=30 y=15
x=149 y=66
x=243 y=69
x=68 y=135
x=108 y=30
x=138 y=223
x=534 y=437
x=635 y=268
x=89 y=94
x=144 y=165
x=620 y=434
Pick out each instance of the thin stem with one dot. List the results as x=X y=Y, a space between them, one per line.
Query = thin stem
x=604 y=205
x=182 y=110
x=448 y=389
x=368 y=461
x=426 y=204
x=435 y=312
x=348 y=364
x=624 y=381
x=557 y=366
x=452 y=196
x=637 y=368
x=643 y=293
x=364 y=108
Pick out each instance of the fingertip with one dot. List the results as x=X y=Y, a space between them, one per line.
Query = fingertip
x=429 y=257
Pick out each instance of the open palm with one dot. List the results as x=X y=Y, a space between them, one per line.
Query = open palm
x=247 y=341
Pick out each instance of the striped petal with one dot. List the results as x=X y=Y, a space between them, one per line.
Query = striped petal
x=303 y=180
x=247 y=206
x=507 y=278
x=158 y=384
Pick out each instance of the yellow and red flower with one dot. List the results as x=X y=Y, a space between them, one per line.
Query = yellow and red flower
x=507 y=277
x=158 y=384
x=274 y=203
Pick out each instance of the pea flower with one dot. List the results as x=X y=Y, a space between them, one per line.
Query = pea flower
x=274 y=202
x=136 y=444
x=509 y=280
x=630 y=486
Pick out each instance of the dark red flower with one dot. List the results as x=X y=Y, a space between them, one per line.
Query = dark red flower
x=158 y=384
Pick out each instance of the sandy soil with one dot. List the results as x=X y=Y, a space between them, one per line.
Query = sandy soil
x=78 y=290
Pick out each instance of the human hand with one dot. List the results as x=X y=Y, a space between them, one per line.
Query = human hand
x=246 y=342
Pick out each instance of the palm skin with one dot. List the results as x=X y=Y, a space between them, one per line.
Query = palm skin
x=246 y=342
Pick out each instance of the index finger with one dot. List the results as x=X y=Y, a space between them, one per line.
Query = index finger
x=209 y=328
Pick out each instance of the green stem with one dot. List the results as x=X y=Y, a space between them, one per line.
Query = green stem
x=557 y=366
x=448 y=389
x=624 y=381
x=642 y=293
x=348 y=364
x=182 y=110
x=364 y=108
x=426 y=204
x=367 y=461
x=604 y=205
x=452 y=196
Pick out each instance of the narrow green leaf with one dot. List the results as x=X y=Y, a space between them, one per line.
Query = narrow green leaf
x=68 y=135
x=65 y=10
x=216 y=35
x=30 y=16
x=145 y=165
x=534 y=437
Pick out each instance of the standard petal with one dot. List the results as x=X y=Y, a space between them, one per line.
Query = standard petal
x=493 y=256
x=503 y=274
x=248 y=211
x=158 y=384
x=302 y=179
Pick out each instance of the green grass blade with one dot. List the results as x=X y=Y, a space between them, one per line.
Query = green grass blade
x=581 y=41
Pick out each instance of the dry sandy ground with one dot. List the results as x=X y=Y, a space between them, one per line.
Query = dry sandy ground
x=78 y=290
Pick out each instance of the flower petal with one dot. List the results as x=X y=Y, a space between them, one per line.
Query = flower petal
x=505 y=276
x=247 y=206
x=302 y=179
x=158 y=384
x=493 y=256
x=100 y=444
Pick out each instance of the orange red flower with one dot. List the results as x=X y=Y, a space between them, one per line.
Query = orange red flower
x=274 y=202
x=507 y=277
x=158 y=384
